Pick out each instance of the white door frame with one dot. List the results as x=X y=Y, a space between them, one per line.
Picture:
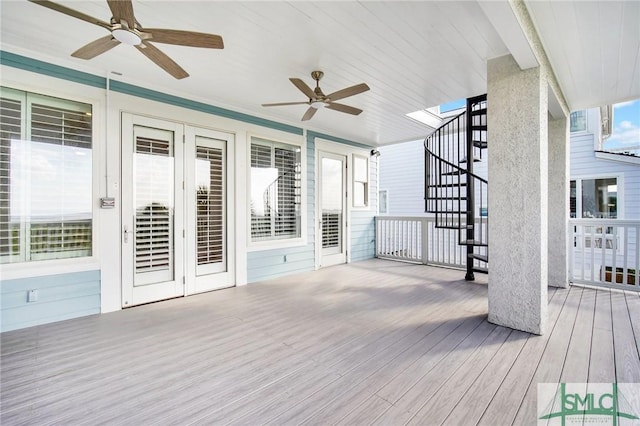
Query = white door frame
x=322 y=145
x=132 y=294
x=216 y=278
x=328 y=259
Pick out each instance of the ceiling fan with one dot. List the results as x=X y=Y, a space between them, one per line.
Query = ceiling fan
x=125 y=28
x=317 y=99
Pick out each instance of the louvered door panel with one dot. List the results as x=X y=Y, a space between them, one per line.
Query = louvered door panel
x=154 y=239
x=210 y=210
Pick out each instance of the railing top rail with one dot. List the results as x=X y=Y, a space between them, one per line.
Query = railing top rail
x=608 y=222
x=386 y=217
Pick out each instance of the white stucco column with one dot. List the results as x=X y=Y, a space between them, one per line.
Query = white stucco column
x=518 y=205
x=558 y=202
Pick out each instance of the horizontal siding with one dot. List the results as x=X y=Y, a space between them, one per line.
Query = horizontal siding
x=268 y=264
x=362 y=236
x=311 y=189
x=402 y=175
x=363 y=228
x=585 y=163
x=60 y=297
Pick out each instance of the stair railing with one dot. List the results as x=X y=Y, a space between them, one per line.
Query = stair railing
x=453 y=192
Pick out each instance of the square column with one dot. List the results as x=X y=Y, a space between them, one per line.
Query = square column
x=518 y=203
x=558 y=202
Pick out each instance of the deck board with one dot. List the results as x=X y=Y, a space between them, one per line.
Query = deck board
x=373 y=342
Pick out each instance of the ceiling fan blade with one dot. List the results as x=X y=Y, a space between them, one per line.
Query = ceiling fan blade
x=162 y=60
x=185 y=38
x=96 y=47
x=73 y=13
x=344 y=108
x=349 y=91
x=122 y=10
x=302 y=86
x=285 y=103
x=310 y=112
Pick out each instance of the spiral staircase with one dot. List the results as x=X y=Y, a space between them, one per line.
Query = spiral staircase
x=453 y=192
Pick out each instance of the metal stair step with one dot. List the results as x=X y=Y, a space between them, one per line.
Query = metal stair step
x=455 y=173
x=473 y=243
x=481 y=257
x=481 y=270
x=480 y=127
x=449 y=185
x=480 y=111
x=475 y=160
x=480 y=144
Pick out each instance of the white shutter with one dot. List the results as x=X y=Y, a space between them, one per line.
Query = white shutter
x=331 y=230
x=287 y=186
x=261 y=191
x=10 y=128
x=154 y=202
x=210 y=199
x=45 y=178
x=66 y=231
x=275 y=191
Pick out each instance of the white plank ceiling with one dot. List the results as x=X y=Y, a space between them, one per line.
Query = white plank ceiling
x=412 y=54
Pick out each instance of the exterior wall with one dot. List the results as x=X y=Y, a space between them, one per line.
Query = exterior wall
x=363 y=232
x=59 y=297
x=402 y=176
x=584 y=164
x=75 y=287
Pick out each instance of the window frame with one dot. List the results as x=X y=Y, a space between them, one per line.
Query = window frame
x=277 y=243
x=40 y=267
x=367 y=183
x=586 y=121
x=619 y=199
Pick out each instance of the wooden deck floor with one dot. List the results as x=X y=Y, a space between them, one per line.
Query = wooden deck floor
x=374 y=342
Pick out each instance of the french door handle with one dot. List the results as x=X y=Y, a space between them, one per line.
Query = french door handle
x=126 y=234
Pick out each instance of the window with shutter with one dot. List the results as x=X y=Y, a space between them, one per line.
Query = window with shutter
x=45 y=178
x=275 y=190
x=154 y=202
x=210 y=200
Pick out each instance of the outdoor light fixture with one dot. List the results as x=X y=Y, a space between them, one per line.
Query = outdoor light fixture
x=375 y=153
x=126 y=36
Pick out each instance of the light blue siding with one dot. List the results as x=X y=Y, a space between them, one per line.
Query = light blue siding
x=60 y=297
x=268 y=264
x=363 y=227
x=584 y=163
x=363 y=236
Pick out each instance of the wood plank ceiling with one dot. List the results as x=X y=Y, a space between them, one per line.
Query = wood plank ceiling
x=413 y=55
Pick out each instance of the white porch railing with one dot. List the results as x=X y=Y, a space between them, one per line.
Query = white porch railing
x=416 y=239
x=605 y=252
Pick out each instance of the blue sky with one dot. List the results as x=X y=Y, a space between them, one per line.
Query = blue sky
x=625 y=134
x=626 y=127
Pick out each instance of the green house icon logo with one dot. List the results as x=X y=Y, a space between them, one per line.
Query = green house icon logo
x=585 y=403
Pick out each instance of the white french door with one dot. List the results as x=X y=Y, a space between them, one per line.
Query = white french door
x=176 y=233
x=209 y=227
x=332 y=200
x=152 y=210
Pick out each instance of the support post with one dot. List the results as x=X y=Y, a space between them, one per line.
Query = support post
x=558 y=202
x=517 y=160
